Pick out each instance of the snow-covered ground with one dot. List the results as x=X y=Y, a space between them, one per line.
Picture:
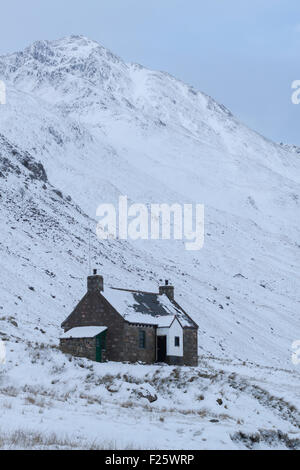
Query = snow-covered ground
x=81 y=127
x=64 y=402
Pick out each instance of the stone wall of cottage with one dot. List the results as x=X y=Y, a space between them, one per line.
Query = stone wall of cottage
x=190 y=347
x=175 y=361
x=132 y=350
x=79 y=347
x=190 y=350
x=100 y=313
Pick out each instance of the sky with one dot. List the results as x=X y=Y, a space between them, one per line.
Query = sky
x=243 y=53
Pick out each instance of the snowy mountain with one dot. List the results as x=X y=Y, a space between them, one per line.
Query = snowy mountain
x=290 y=148
x=82 y=127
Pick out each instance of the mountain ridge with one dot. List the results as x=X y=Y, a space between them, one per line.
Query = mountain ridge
x=144 y=134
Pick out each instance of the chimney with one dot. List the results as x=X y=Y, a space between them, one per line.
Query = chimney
x=95 y=282
x=167 y=290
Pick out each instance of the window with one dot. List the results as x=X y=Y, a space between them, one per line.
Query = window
x=142 y=339
x=177 y=341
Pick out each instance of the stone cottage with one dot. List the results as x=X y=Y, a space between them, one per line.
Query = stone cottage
x=129 y=325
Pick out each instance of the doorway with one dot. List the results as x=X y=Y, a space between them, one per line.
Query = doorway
x=161 y=348
x=100 y=346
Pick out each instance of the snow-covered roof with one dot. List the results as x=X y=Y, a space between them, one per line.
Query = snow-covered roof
x=146 y=307
x=161 y=321
x=84 y=332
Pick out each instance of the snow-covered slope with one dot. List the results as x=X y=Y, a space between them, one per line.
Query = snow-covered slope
x=82 y=127
x=290 y=148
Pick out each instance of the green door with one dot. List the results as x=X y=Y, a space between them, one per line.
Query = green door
x=100 y=345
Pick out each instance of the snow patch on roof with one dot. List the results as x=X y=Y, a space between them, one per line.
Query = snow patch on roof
x=160 y=321
x=84 y=332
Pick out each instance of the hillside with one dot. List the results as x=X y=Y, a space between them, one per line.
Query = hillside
x=80 y=128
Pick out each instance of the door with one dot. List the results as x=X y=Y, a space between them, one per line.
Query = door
x=100 y=345
x=161 y=348
x=98 y=349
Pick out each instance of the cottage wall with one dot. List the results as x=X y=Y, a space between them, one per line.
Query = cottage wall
x=190 y=347
x=96 y=311
x=79 y=347
x=132 y=351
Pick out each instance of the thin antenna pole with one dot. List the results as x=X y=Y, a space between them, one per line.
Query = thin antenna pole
x=90 y=268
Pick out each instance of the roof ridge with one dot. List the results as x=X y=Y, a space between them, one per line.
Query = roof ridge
x=134 y=291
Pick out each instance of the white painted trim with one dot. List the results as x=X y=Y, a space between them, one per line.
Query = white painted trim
x=174 y=330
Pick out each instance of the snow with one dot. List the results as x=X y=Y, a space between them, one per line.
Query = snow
x=84 y=332
x=165 y=322
x=92 y=405
x=102 y=128
x=149 y=320
x=140 y=307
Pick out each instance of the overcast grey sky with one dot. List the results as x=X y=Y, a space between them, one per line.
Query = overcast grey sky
x=244 y=53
